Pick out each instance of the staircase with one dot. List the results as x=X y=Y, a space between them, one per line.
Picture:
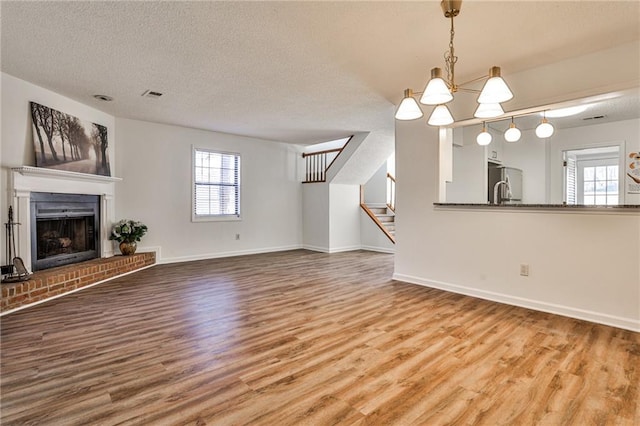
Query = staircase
x=325 y=171
x=386 y=217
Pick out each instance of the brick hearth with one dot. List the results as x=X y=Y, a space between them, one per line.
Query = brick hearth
x=55 y=281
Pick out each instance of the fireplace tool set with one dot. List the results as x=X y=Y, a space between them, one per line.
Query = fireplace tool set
x=14 y=269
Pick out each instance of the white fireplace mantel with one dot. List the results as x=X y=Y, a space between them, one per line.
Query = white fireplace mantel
x=26 y=179
x=63 y=174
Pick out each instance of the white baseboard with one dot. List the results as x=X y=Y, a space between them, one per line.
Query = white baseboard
x=343 y=249
x=379 y=249
x=552 y=308
x=316 y=248
x=331 y=250
x=227 y=254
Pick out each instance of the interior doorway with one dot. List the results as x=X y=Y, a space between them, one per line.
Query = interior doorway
x=592 y=176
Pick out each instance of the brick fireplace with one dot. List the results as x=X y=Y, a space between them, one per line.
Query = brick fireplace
x=65 y=229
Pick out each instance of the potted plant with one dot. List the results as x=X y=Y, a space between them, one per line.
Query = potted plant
x=128 y=232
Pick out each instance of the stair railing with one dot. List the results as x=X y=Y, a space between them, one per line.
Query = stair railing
x=316 y=165
x=373 y=217
x=391 y=192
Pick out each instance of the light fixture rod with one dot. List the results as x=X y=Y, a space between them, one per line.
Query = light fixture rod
x=512 y=116
x=462 y=89
x=482 y=77
x=450 y=58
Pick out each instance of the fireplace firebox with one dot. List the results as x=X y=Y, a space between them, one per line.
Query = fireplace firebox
x=65 y=229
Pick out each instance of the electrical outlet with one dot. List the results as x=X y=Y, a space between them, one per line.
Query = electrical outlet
x=524 y=270
x=237 y=236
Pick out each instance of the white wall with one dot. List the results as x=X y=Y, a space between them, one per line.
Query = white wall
x=583 y=265
x=315 y=215
x=16 y=145
x=344 y=217
x=331 y=217
x=375 y=190
x=469 y=184
x=155 y=161
x=530 y=155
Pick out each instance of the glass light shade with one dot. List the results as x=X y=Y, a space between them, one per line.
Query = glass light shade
x=488 y=111
x=512 y=134
x=495 y=90
x=484 y=137
x=544 y=129
x=408 y=108
x=436 y=92
x=440 y=116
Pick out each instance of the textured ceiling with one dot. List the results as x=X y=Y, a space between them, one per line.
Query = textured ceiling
x=299 y=72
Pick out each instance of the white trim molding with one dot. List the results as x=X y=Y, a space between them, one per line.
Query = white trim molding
x=63 y=174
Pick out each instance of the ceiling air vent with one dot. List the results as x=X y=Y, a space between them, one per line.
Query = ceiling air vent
x=597 y=117
x=151 y=94
x=104 y=98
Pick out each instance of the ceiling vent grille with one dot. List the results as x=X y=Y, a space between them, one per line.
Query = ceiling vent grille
x=151 y=94
x=597 y=117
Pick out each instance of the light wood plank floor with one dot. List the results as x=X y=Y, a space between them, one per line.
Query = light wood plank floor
x=303 y=338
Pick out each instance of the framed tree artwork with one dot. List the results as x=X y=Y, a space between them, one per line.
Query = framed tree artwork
x=64 y=142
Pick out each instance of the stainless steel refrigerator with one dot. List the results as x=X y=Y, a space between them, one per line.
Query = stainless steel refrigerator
x=506 y=183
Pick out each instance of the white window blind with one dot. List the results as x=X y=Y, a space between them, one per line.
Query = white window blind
x=216 y=189
x=572 y=193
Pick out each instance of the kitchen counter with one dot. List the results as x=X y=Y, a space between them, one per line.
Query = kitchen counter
x=631 y=208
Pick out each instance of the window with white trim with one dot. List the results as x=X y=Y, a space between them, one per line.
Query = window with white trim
x=598 y=182
x=216 y=185
x=592 y=176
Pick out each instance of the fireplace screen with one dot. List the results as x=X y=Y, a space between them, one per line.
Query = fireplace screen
x=65 y=236
x=66 y=229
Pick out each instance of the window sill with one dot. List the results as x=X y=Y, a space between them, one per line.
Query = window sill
x=227 y=218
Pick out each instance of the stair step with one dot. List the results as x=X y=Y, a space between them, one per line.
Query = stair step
x=386 y=218
x=378 y=210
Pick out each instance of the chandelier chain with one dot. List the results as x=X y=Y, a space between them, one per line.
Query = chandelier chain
x=450 y=60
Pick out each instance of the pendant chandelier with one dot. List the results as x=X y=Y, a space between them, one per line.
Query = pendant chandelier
x=439 y=91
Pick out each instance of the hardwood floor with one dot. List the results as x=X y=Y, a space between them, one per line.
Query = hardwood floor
x=304 y=338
